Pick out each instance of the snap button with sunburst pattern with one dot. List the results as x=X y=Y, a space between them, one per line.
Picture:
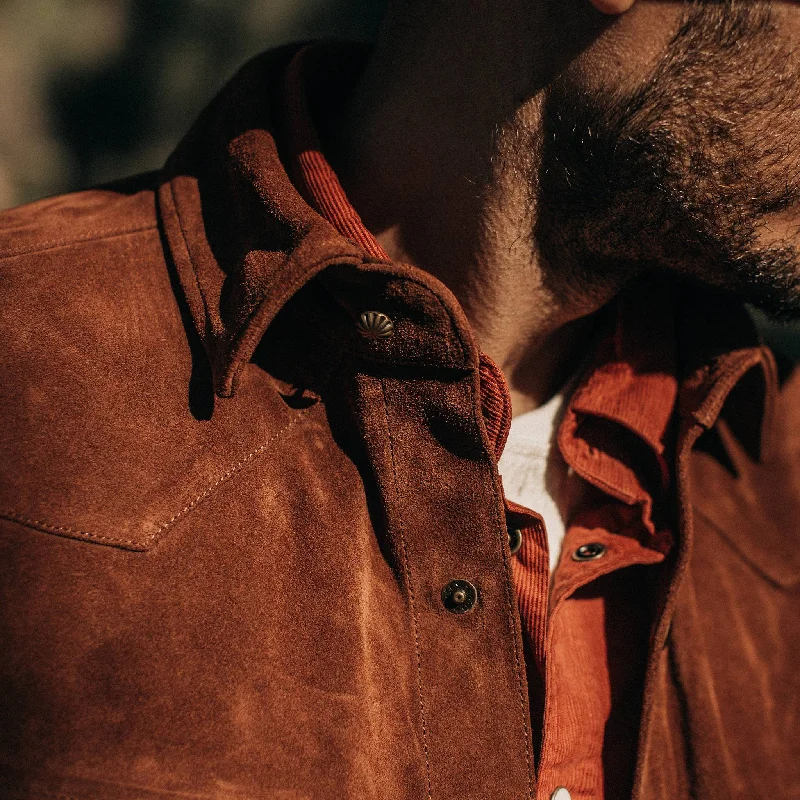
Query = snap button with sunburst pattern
x=375 y=325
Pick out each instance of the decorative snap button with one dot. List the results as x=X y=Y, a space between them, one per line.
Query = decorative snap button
x=589 y=552
x=514 y=540
x=375 y=325
x=459 y=596
x=561 y=794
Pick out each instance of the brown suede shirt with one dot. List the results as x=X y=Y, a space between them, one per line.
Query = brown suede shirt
x=228 y=518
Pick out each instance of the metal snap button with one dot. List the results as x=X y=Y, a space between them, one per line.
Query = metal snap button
x=459 y=596
x=589 y=552
x=561 y=793
x=514 y=540
x=375 y=325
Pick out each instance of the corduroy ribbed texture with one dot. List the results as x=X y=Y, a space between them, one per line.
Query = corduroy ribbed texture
x=320 y=184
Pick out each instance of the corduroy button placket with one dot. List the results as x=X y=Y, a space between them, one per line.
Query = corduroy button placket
x=514 y=540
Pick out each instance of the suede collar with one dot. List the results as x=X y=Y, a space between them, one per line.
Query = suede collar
x=244 y=241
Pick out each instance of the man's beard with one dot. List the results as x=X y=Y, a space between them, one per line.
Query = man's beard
x=685 y=173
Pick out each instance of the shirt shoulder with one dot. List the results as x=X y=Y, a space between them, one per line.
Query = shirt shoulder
x=109 y=432
x=93 y=344
x=78 y=219
x=77 y=270
x=76 y=262
x=85 y=291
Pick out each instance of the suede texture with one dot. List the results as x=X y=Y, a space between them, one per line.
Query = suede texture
x=226 y=518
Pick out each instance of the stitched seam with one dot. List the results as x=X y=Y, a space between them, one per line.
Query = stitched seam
x=510 y=605
x=58 y=796
x=14 y=516
x=92 y=236
x=38 y=792
x=411 y=599
x=226 y=476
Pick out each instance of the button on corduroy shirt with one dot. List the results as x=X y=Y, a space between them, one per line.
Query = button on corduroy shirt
x=227 y=518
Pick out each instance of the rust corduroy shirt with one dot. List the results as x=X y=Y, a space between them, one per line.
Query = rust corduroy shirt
x=586 y=639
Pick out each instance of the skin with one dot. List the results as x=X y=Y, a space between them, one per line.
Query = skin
x=489 y=128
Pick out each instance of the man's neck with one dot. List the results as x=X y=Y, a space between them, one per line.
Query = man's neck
x=438 y=150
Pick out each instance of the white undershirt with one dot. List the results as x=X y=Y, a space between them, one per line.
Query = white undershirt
x=534 y=472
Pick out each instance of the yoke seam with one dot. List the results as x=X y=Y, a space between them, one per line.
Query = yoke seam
x=224 y=478
x=92 y=236
x=38 y=524
x=15 y=516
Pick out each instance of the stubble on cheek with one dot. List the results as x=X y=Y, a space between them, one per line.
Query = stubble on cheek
x=697 y=171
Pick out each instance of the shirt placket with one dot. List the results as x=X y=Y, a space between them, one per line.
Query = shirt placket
x=572 y=652
x=416 y=395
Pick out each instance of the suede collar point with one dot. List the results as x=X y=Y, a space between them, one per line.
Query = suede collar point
x=232 y=306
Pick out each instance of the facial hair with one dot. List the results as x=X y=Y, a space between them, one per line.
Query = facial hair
x=686 y=172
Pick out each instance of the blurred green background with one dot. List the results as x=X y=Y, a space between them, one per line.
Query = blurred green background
x=92 y=90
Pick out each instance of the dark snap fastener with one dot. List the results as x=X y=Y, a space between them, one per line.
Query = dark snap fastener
x=514 y=540
x=375 y=325
x=589 y=552
x=459 y=596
